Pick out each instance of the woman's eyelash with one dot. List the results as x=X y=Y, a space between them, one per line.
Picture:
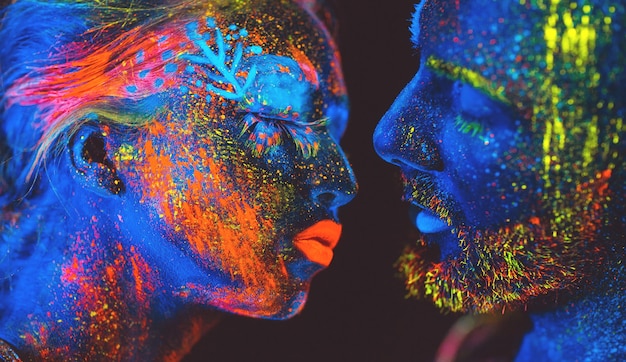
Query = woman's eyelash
x=265 y=132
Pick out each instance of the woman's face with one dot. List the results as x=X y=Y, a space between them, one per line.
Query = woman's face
x=480 y=146
x=239 y=172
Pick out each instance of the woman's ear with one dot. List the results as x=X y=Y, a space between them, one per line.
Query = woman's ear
x=91 y=162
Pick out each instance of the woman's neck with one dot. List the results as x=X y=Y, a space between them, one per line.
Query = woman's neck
x=84 y=293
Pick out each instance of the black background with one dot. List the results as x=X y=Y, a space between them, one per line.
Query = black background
x=356 y=309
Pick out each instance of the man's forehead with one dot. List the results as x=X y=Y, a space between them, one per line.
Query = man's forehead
x=488 y=37
x=437 y=21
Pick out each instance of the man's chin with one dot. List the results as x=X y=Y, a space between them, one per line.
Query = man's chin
x=445 y=244
x=479 y=271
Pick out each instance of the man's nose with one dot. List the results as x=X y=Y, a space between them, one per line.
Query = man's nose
x=408 y=133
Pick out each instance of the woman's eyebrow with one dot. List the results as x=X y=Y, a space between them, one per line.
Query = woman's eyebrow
x=476 y=80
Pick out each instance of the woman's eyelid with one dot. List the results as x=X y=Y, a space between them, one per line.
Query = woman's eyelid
x=289 y=116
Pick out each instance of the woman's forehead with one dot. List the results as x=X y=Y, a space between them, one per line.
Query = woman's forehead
x=194 y=50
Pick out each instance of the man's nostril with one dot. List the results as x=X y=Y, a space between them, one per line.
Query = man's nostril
x=397 y=161
x=435 y=163
x=424 y=163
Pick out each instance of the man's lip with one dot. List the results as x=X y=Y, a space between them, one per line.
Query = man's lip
x=318 y=240
x=426 y=221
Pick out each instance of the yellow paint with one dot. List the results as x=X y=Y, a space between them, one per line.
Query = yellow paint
x=591 y=143
x=125 y=153
x=476 y=80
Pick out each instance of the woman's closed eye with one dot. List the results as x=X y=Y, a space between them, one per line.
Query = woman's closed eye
x=267 y=130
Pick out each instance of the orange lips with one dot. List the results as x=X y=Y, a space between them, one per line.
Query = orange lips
x=317 y=241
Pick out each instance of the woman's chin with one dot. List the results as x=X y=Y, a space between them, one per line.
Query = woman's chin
x=252 y=301
x=280 y=308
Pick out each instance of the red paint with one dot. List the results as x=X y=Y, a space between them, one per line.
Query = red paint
x=306 y=65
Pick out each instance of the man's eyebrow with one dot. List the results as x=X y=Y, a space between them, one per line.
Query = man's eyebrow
x=476 y=80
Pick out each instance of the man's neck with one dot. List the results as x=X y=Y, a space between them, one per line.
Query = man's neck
x=589 y=328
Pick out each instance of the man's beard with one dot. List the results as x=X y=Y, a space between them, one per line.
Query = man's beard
x=508 y=267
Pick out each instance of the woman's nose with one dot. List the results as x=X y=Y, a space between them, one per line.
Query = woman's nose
x=331 y=179
x=408 y=133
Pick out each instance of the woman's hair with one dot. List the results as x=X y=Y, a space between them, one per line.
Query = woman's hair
x=56 y=59
x=61 y=64
x=42 y=45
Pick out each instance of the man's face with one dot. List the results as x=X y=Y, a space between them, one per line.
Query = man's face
x=482 y=135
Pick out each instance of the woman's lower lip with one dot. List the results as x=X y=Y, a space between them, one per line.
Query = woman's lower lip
x=316 y=242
